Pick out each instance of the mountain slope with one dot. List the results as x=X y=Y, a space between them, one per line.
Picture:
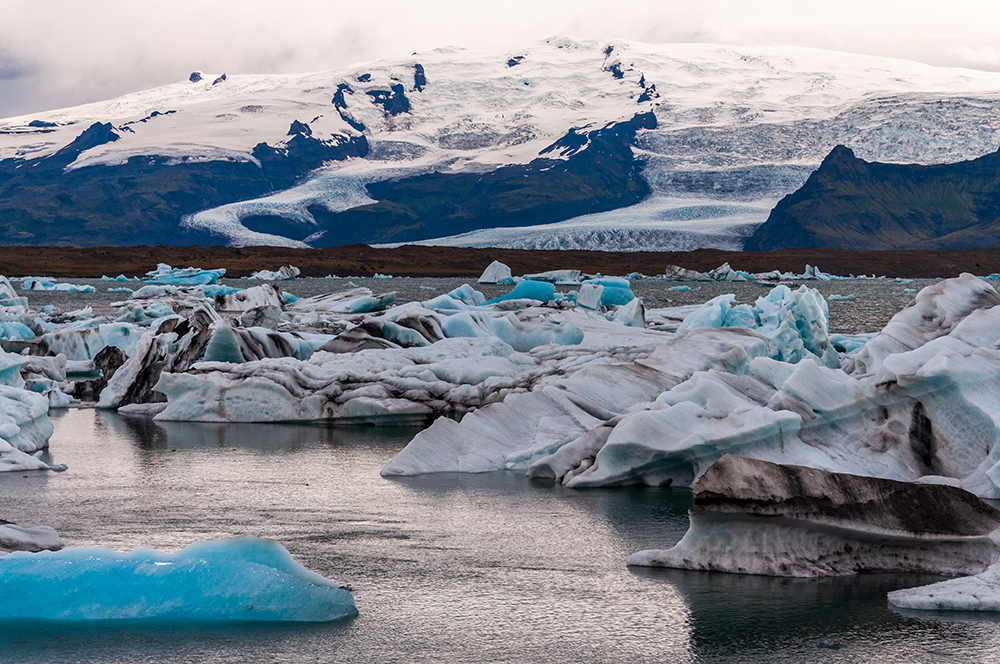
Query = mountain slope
x=848 y=203
x=538 y=148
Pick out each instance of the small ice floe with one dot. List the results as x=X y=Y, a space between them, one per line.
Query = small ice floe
x=497 y=273
x=21 y=538
x=188 y=276
x=839 y=298
x=42 y=284
x=283 y=273
x=237 y=579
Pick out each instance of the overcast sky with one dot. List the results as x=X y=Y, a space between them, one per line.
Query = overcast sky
x=57 y=53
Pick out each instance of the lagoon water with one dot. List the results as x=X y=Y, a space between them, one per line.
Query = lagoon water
x=444 y=568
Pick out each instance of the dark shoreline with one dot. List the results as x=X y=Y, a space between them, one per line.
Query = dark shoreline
x=417 y=261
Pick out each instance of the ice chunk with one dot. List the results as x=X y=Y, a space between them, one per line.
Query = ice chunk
x=239 y=579
x=39 y=284
x=840 y=298
x=283 y=273
x=632 y=314
x=557 y=277
x=541 y=291
x=754 y=517
x=20 y=538
x=590 y=296
x=972 y=593
x=352 y=301
x=497 y=273
x=251 y=298
x=189 y=276
x=676 y=273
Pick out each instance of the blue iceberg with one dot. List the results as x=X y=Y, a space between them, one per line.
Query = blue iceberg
x=188 y=276
x=236 y=579
x=542 y=291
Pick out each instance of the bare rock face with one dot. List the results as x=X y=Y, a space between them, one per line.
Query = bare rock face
x=756 y=517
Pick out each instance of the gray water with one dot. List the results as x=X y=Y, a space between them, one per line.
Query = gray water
x=444 y=568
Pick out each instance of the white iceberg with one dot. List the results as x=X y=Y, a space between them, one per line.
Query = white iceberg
x=239 y=579
x=40 y=284
x=497 y=273
x=281 y=274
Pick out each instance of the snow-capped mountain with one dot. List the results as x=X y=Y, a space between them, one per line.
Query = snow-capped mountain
x=564 y=144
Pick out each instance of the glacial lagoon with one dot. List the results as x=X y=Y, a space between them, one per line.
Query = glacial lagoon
x=445 y=567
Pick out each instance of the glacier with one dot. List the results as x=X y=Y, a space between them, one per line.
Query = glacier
x=737 y=128
x=246 y=579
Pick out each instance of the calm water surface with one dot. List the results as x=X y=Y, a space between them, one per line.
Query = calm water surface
x=444 y=568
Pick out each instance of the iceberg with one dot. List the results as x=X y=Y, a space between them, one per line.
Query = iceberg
x=980 y=592
x=281 y=274
x=238 y=579
x=557 y=277
x=358 y=300
x=540 y=291
x=189 y=276
x=39 y=284
x=20 y=538
x=497 y=273
x=754 y=517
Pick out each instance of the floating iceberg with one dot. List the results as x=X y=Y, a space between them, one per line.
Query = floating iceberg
x=557 y=277
x=189 y=276
x=980 y=592
x=497 y=273
x=283 y=273
x=39 y=284
x=20 y=538
x=239 y=579
x=755 y=517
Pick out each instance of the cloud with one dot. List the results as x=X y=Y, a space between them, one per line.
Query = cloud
x=65 y=52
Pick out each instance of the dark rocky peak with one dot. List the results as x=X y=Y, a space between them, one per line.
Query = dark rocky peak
x=608 y=50
x=569 y=144
x=419 y=78
x=338 y=97
x=299 y=128
x=616 y=70
x=219 y=80
x=154 y=114
x=42 y=123
x=393 y=100
x=514 y=60
x=642 y=80
x=285 y=163
x=340 y=102
x=364 y=78
x=842 y=162
x=96 y=134
x=649 y=94
x=195 y=76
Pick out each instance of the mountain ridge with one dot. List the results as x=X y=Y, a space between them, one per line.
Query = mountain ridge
x=315 y=159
